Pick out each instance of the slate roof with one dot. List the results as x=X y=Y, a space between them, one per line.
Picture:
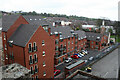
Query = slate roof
x=37 y=20
x=81 y=34
x=65 y=30
x=23 y=34
x=7 y=21
x=93 y=36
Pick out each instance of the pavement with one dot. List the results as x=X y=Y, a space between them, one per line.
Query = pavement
x=107 y=67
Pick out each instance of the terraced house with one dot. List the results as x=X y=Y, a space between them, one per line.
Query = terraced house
x=34 y=43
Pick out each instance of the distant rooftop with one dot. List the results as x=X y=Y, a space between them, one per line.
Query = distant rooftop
x=14 y=71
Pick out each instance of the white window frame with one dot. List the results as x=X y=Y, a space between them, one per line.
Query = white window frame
x=32 y=69
x=43 y=53
x=4 y=36
x=37 y=68
x=44 y=74
x=31 y=46
x=35 y=45
x=36 y=57
x=7 y=56
x=5 y=47
x=32 y=58
x=42 y=42
x=44 y=64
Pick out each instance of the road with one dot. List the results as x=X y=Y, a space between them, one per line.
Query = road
x=107 y=67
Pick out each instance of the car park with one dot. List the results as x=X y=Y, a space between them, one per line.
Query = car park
x=56 y=72
x=74 y=56
x=68 y=60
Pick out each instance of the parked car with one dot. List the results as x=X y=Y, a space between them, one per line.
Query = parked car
x=88 y=69
x=56 y=72
x=68 y=60
x=91 y=58
x=74 y=56
x=81 y=54
x=78 y=55
x=85 y=51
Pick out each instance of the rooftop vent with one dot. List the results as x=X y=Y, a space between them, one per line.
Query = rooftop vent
x=78 y=38
x=61 y=38
x=35 y=19
x=39 y=19
x=98 y=38
x=56 y=32
x=30 y=19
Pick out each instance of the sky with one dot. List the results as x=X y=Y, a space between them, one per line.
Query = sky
x=107 y=9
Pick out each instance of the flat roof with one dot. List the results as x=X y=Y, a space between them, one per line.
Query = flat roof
x=74 y=64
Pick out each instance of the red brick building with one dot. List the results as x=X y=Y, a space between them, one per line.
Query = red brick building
x=25 y=41
x=96 y=40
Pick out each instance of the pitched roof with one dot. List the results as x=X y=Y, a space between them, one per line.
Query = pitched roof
x=81 y=34
x=23 y=34
x=65 y=31
x=93 y=36
x=36 y=20
x=8 y=20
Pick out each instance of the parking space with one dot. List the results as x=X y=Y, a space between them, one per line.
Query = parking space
x=91 y=53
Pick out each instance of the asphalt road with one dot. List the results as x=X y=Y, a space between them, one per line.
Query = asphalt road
x=107 y=67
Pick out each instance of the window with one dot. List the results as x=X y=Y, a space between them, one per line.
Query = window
x=68 y=42
x=34 y=46
x=92 y=46
x=12 y=56
x=104 y=37
x=43 y=42
x=32 y=72
x=5 y=47
x=59 y=61
x=30 y=47
x=43 y=53
x=45 y=28
x=44 y=73
x=63 y=58
x=56 y=41
x=4 y=37
x=6 y=56
x=30 y=59
x=96 y=43
x=35 y=58
x=56 y=48
x=72 y=42
x=36 y=68
x=10 y=44
x=56 y=54
x=36 y=77
x=92 y=42
x=44 y=64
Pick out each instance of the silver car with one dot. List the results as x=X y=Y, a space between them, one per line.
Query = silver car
x=68 y=60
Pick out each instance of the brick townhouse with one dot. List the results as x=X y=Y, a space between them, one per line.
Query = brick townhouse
x=27 y=42
x=96 y=40
x=67 y=42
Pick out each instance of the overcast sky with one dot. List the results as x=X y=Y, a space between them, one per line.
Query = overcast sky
x=86 y=8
